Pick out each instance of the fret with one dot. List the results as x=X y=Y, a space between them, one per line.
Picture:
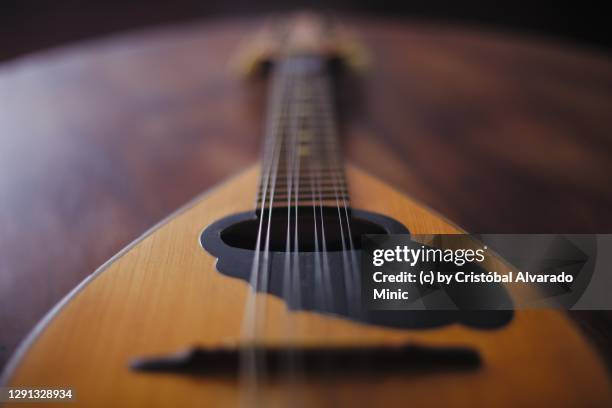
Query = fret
x=302 y=161
x=285 y=197
x=307 y=193
x=321 y=175
x=306 y=182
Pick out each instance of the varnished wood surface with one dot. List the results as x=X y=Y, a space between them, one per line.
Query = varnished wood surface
x=167 y=284
x=101 y=140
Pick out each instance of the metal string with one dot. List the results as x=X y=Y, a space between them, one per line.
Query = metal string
x=325 y=165
x=351 y=273
x=250 y=324
x=291 y=276
x=286 y=88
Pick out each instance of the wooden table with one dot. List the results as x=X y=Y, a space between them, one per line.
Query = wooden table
x=99 y=141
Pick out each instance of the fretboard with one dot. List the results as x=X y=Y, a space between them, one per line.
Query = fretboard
x=302 y=162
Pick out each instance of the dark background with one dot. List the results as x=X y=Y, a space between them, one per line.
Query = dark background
x=27 y=25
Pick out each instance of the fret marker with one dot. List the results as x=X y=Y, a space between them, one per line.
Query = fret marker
x=304 y=136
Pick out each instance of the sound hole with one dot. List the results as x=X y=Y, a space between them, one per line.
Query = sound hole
x=232 y=240
x=243 y=234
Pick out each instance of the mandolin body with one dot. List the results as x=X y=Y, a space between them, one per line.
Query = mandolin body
x=163 y=294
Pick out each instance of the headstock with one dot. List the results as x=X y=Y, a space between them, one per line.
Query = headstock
x=300 y=34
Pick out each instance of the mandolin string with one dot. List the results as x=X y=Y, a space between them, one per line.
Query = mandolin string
x=291 y=272
x=318 y=276
x=289 y=159
x=326 y=154
x=269 y=148
x=327 y=283
x=265 y=267
x=323 y=106
x=291 y=269
x=354 y=292
x=319 y=297
x=261 y=301
x=248 y=357
x=295 y=271
x=324 y=166
x=249 y=363
x=296 y=287
x=260 y=270
x=288 y=109
x=329 y=151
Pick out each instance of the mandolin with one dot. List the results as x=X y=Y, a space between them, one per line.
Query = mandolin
x=249 y=295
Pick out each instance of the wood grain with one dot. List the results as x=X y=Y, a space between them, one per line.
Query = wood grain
x=166 y=284
x=100 y=140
